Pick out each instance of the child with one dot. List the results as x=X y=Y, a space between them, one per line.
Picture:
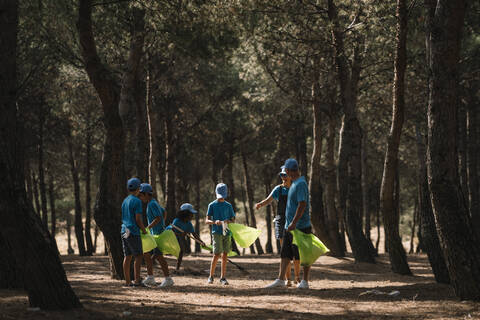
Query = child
x=156 y=224
x=219 y=214
x=181 y=225
x=132 y=223
x=280 y=193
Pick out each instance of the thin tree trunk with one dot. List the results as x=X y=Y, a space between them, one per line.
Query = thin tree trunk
x=268 y=220
x=197 y=216
x=365 y=204
x=112 y=173
x=78 y=225
x=472 y=165
x=29 y=182
x=414 y=225
x=35 y=193
x=95 y=238
x=68 y=221
x=88 y=204
x=249 y=186
x=245 y=208
x=462 y=149
x=41 y=169
x=461 y=249
x=22 y=234
x=170 y=166
x=53 y=215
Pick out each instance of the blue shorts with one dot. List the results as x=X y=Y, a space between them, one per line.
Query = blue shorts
x=132 y=246
x=156 y=252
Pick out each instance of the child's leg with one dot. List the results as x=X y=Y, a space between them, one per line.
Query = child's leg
x=163 y=264
x=296 y=269
x=149 y=263
x=224 y=264
x=179 y=260
x=126 y=269
x=288 y=273
x=136 y=266
x=214 y=264
x=306 y=273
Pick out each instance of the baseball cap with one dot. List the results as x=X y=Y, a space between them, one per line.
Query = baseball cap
x=221 y=190
x=146 y=188
x=282 y=171
x=189 y=207
x=133 y=184
x=291 y=164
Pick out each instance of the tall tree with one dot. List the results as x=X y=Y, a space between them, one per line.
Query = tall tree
x=391 y=218
x=34 y=256
x=460 y=246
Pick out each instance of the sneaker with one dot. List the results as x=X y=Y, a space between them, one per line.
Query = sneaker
x=303 y=285
x=276 y=284
x=210 y=280
x=168 y=282
x=150 y=281
x=138 y=285
x=224 y=281
x=289 y=283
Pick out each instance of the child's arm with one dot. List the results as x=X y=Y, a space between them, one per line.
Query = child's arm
x=210 y=221
x=138 y=219
x=264 y=202
x=154 y=222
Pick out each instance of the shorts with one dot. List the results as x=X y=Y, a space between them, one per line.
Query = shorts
x=279 y=227
x=221 y=243
x=289 y=250
x=182 y=242
x=132 y=246
x=156 y=252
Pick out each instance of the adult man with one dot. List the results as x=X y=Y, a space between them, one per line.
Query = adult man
x=297 y=214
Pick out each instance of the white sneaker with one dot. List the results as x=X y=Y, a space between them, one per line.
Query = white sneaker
x=168 y=282
x=150 y=281
x=303 y=285
x=276 y=284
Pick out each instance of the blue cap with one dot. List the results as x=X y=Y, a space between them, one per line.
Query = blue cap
x=221 y=190
x=133 y=184
x=282 y=171
x=291 y=164
x=189 y=207
x=146 y=188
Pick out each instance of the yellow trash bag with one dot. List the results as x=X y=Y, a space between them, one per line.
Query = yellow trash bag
x=167 y=243
x=209 y=247
x=243 y=235
x=148 y=242
x=309 y=246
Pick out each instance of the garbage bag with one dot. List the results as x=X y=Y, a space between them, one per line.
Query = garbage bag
x=148 y=242
x=309 y=246
x=209 y=247
x=167 y=243
x=243 y=235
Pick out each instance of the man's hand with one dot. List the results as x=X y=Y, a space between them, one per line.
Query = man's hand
x=218 y=222
x=258 y=205
x=144 y=231
x=291 y=227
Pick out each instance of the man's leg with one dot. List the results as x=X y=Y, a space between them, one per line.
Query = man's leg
x=306 y=273
x=148 y=262
x=283 y=268
x=136 y=266
x=163 y=264
x=296 y=269
x=126 y=269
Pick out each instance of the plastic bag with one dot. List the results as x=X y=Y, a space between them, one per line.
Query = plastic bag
x=309 y=246
x=243 y=235
x=167 y=243
x=148 y=242
x=209 y=247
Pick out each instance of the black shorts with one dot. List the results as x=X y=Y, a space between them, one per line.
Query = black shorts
x=279 y=227
x=132 y=246
x=182 y=242
x=156 y=252
x=289 y=250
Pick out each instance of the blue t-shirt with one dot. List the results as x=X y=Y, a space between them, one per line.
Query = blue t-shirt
x=277 y=191
x=131 y=206
x=298 y=192
x=185 y=226
x=219 y=210
x=154 y=210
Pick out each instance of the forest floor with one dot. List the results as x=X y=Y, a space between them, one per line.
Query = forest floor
x=339 y=290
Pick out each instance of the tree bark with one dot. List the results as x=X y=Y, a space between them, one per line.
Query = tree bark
x=53 y=214
x=413 y=227
x=460 y=246
x=112 y=173
x=78 y=223
x=268 y=220
x=88 y=204
x=249 y=187
x=41 y=168
x=462 y=149
x=197 y=216
x=365 y=202
x=472 y=167
x=33 y=255
x=170 y=164
x=349 y=158
x=35 y=194
x=245 y=208
x=391 y=217
x=428 y=230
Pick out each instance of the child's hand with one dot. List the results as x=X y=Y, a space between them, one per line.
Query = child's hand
x=144 y=231
x=258 y=206
x=218 y=222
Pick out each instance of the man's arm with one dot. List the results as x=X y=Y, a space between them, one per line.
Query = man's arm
x=298 y=214
x=264 y=202
x=155 y=222
x=139 y=220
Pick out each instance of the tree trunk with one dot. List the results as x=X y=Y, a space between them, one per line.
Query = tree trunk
x=249 y=187
x=349 y=158
x=460 y=248
x=391 y=219
x=413 y=227
x=170 y=166
x=365 y=203
x=68 y=221
x=41 y=169
x=245 y=208
x=462 y=149
x=472 y=165
x=22 y=233
x=428 y=230
x=112 y=174
x=88 y=205
x=51 y=193
x=35 y=194
x=197 y=216
x=268 y=220
x=29 y=182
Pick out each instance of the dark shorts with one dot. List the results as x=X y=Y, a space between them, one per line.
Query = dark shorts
x=156 y=252
x=132 y=246
x=182 y=242
x=289 y=250
x=279 y=227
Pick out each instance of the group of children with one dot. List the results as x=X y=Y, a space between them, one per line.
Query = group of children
x=219 y=214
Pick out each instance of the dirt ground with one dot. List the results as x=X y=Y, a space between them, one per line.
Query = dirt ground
x=339 y=290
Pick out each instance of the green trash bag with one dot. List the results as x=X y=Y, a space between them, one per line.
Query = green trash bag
x=243 y=235
x=209 y=247
x=310 y=247
x=148 y=242
x=167 y=243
